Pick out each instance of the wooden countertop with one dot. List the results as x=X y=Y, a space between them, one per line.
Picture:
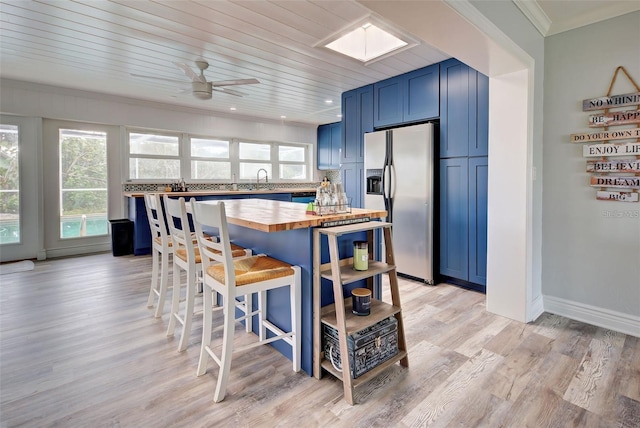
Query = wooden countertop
x=275 y=216
x=188 y=194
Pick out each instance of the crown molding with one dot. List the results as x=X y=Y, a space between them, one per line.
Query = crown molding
x=532 y=10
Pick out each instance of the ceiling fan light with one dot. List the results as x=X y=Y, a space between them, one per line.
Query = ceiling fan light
x=202 y=90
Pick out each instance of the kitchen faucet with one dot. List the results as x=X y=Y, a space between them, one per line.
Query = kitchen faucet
x=266 y=177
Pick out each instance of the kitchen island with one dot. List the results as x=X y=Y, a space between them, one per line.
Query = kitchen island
x=283 y=230
x=138 y=214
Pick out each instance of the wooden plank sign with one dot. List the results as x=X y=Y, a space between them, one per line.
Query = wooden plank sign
x=614 y=118
x=621 y=134
x=617 y=196
x=595 y=150
x=612 y=101
x=613 y=166
x=626 y=182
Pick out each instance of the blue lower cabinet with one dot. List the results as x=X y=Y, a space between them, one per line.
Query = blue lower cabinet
x=141 y=230
x=478 y=185
x=285 y=197
x=463 y=219
x=454 y=218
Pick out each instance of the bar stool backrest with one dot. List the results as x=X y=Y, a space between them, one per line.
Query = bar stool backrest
x=178 y=222
x=156 y=216
x=212 y=215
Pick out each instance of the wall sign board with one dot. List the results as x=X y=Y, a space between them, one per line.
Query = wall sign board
x=614 y=118
x=618 y=166
x=621 y=134
x=598 y=150
x=613 y=166
x=607 y=181
x=612 y=101
x=617 y=196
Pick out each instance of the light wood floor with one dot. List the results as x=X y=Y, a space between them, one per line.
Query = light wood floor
x=79 y=348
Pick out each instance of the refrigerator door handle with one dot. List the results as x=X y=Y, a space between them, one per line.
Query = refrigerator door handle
x=392 y=190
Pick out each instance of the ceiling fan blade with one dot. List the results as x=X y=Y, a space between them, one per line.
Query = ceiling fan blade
x=235 y=82
x=229 y=91
x=159 y=78
x=190 y=73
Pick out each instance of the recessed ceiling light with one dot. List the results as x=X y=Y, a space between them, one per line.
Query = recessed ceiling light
x=232 y=108
x=283 y=117
x=328 y=101
x=338 y=115
x=368 y=40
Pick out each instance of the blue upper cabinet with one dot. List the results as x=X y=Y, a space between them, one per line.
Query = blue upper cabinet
x=421 y=92
x=481 y=147
x=357 y=119
x=388 y=102
x=410 y=97
x=329 y=145
x=464 y=110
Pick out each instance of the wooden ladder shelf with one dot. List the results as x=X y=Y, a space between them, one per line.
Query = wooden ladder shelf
x=339 y=315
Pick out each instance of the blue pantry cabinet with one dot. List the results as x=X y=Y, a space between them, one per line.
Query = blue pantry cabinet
x=329 y=146
x=463 y=150
x=357 y=119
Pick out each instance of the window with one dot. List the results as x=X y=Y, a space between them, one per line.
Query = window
x=9 y=185
x=293 y=162
x=165 y=157
x=83 y=183
x=154 y=156
x=253 y=157
x=210 y=159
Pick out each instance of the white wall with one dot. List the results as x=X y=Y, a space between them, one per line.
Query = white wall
x=591 y=248
x=44 y=103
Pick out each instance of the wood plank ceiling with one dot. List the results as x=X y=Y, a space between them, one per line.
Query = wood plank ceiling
x=97 y=45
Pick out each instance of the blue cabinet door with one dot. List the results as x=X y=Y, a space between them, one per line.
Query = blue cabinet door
x=329 y=145
x=351 y=175
x=141 y=229
x=357 y=118
x=478 y=169
x=388 y=102
x=421 y=94
x=454 y=218
x=481 y=146
x=457 y=108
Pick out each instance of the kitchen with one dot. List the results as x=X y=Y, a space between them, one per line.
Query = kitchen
x=518 y=275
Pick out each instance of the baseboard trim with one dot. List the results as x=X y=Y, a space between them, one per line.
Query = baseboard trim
x=77 y=251
x=536 y=309
x=612 y=320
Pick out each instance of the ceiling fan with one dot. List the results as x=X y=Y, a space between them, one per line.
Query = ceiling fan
x=200 y=87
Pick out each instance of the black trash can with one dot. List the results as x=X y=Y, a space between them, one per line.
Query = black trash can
x=121 y=236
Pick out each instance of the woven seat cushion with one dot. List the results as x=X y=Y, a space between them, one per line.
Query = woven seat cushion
x=170 y=243
x=253 y=269
x=236 y=251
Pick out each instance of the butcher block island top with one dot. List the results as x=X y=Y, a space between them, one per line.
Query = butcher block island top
x=276 y=216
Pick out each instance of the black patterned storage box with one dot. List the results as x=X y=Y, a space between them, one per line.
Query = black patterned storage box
x=368 y=348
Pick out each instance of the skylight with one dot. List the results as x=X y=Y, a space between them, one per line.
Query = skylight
x=368 y=40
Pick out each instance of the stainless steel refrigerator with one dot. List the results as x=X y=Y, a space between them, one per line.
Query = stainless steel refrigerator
x=398 y=167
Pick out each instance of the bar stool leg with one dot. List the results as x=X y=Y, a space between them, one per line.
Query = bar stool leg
x=262 y=315
x=175 y=300
x=154 y=278
x=227 y=352
x=192 y=282
x=209 y=297
x=295 y=292
x=164 y=283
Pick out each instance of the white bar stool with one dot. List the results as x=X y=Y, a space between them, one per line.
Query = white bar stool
x=186 y=257
x=230 y=278
x=161 y=249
